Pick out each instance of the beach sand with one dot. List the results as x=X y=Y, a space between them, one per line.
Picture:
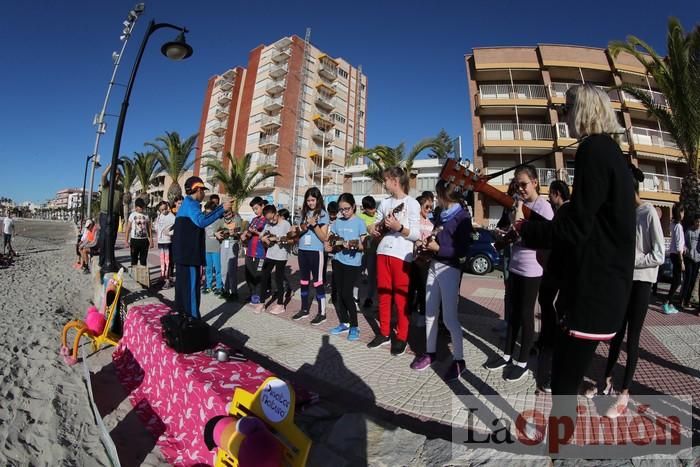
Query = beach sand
x=45 y=414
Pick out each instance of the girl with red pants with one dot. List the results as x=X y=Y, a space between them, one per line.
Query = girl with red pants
x=398 y=226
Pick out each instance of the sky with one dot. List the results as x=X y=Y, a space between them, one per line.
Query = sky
x=56 y=62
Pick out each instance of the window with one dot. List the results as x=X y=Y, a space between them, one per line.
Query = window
x=253 y=137
x=426 y=183
x=362 y=114
x=337 y=133
x=339 y=118
x=362 y=87
x=343 y=73
x=361 y=187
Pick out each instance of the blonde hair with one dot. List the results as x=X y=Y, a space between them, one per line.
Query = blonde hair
x=592 y=112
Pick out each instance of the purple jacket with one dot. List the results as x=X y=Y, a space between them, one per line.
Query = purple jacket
x=454 y=238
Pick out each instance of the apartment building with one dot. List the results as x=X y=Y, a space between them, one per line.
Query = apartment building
x=293 y=106
x=516 y=95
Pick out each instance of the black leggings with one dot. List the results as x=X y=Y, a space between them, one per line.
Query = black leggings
x=279 y=267
x=690 y=276
x=311 y=274
x=523 y=293
x=139 y=251
x=676 y=279
x=634 y=319
x=346 y=278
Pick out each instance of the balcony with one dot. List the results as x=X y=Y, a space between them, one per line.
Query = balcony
x=659 y=183
x=654 y=141
x=323 y=136
x=216 y=143
x=225 y=84
x=634 y=103
x=276 y=86
x=507 y=94
x=270 y=122
x=315 y=155
x=557 y=92
x=221 y=113
x=530 y=137
x=219 y=129
x=328 y=69
x=325 y=102
x=323 y=121
x=224 y=98
x=268 y=159
x=325 y=89
x=279 y=70
x=229 y=74
x=273 y=104
x=267 y=184
x=269 y=142
x=281 y=55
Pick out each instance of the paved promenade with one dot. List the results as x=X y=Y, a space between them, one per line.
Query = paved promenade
x=374 y=381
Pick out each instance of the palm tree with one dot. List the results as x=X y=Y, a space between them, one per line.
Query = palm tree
x=145 y=169
x=240 y=180
x=382 y=157
x=128 y=178
x=445 y=146
x=172 y=154
x=678 y=77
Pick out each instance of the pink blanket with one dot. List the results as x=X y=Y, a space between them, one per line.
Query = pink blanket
x=173 y=394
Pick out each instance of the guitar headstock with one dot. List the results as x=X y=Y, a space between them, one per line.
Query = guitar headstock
x=458 y=176
x=397 y=209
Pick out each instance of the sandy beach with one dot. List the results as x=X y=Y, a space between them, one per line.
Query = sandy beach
x=45 y=414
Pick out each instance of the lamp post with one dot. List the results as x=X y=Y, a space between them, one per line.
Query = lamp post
x=82 y=196
x=177 y=49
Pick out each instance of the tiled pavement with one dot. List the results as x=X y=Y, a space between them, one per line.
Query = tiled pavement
x=669 y=360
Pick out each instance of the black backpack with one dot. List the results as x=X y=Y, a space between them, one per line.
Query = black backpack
x=185 y=334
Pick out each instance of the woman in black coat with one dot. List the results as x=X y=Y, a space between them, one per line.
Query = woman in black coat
x=598 y=235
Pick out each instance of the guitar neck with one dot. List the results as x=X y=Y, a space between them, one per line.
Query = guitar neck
x=498 y=196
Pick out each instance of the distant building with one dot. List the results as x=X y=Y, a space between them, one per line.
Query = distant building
x=294 y=107
x=516 y=94
x=68 y=198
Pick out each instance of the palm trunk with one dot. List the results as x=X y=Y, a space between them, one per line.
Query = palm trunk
x=690 y=195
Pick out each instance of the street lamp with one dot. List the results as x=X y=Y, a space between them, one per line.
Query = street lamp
x=82 y=196
x=177 y=49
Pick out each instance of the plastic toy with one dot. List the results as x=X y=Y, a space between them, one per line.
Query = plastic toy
x=97 y=324
x=259 y=429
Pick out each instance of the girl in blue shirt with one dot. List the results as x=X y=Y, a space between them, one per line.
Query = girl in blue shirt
x=314 y=230
x=347 y=265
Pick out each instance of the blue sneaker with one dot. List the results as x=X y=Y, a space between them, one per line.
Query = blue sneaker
x=339 y=329
x=354 y=334
x=669 y=309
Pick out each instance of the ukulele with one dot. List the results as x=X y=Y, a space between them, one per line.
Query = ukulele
x=381 y=226
x=284 y=240
x=338 y=243
x=420 y=251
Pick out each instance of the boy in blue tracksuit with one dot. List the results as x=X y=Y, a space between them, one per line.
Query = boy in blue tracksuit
x=189 y=246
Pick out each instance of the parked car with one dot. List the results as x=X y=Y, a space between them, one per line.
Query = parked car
x=483 y=256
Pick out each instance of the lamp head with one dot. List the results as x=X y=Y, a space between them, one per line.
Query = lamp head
x=177 y=49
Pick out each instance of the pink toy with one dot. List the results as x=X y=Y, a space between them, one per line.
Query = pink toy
x=95 y=321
